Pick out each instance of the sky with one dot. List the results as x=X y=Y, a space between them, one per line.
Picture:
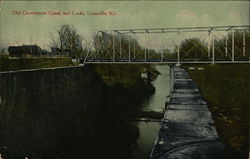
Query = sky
x=18 y=29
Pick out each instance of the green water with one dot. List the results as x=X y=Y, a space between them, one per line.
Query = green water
x=148 y=131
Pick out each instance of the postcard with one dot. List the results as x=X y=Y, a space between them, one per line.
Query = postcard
x=124 y=79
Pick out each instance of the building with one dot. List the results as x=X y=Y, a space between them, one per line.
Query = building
x=24 y=50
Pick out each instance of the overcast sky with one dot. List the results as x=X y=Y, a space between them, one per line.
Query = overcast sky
x=19 y=29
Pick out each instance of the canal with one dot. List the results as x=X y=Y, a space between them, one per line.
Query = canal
x=148 y=130
x=79 y=111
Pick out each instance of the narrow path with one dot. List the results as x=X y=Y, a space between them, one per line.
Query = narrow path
x=187 y=130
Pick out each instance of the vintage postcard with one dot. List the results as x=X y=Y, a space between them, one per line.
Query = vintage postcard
x=124 y=79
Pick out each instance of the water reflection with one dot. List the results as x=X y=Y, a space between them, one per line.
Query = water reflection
x=156 y=102
x=149 y=130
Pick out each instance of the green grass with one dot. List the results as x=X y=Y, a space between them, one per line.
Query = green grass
x=126 y=74
x=11 y=64
x=226 y=89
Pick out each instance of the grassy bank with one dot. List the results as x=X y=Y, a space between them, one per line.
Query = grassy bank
x=126 y=74
x=11 y=64
x=226 y=89
x=129 y=77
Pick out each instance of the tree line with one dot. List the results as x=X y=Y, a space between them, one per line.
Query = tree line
x=118 y=46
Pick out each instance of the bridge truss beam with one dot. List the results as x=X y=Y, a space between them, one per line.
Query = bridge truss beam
x=110 y=42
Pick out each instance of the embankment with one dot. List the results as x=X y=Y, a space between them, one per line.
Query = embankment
x=226 y=89
x=66 y=113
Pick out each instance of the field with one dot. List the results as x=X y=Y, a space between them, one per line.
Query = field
x=226 y=89
x=11 y=64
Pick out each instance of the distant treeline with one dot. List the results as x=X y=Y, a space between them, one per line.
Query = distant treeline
x=68 y=42
x=190 y=49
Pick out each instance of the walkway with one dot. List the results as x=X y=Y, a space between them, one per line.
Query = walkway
x=187 y=130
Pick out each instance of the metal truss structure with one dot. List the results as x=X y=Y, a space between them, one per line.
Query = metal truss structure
x=218 y=44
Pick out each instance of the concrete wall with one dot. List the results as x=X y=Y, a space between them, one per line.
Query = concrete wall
x=36 y=106
x=20 y=89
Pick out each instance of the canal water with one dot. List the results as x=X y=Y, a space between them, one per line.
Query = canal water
x=148 y=131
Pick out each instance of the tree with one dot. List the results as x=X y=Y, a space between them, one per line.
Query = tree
x=103 y=45
x=220 y=46
x=2 y=50
x=193 y=49
x=67 y=40
x=167 y=54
